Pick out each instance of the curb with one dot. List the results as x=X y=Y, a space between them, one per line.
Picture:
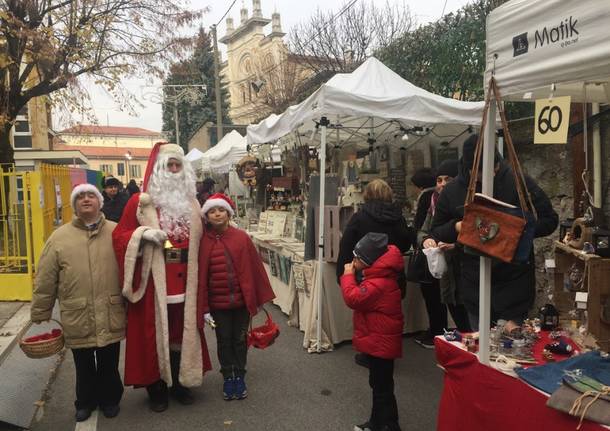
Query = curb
x=13 y=329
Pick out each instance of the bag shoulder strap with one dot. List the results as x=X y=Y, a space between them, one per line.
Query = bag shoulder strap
x=520 y=183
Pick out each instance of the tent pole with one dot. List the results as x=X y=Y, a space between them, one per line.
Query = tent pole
x=485 y=271
x=323 y=123
x=597 y=160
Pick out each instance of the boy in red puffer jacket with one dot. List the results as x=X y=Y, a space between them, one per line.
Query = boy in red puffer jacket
x=370 y=288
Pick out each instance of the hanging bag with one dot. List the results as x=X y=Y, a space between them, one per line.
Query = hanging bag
x=263 y=336
x=491 y=227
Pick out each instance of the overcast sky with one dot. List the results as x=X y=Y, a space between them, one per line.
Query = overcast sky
x=292 y=12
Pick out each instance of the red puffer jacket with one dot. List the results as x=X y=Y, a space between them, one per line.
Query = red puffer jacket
x=378 y=319
x=223 y=288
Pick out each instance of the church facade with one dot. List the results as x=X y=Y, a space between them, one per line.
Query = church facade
x=260 y=73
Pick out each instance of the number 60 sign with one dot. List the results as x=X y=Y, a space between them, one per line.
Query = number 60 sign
x=551 y=120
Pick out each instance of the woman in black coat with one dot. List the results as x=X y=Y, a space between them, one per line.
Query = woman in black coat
x=512 y=285
x=378 y=214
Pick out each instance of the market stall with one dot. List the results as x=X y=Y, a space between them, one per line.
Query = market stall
x=224 y=155
x=369 y=106
x=540 y=50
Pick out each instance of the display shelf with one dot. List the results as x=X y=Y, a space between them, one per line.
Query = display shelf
x=594 y=279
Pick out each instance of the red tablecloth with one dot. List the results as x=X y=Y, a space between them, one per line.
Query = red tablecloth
x=477 y=397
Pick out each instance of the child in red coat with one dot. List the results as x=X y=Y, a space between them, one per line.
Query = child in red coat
x=369 y=285
x=233 y=286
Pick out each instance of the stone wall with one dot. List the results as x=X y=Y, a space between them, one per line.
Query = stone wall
x=552 y=168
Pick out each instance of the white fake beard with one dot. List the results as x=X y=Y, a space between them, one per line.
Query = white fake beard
x=173 y=195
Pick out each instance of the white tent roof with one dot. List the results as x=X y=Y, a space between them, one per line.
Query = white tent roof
x=194 y=155
x=220 y=158
x=532 y=44
x=374 y=94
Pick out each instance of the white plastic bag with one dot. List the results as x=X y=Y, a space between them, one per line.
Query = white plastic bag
x=436 y=262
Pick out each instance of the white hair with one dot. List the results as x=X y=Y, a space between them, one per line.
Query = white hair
x=173 y=195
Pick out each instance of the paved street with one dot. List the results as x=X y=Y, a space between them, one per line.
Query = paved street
x=289 y=389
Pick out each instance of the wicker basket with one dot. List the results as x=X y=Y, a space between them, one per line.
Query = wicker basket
x=43 y=348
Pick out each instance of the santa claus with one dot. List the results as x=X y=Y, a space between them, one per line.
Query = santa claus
x=157 y=247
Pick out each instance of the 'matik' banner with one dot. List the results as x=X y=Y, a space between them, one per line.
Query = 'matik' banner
x=532 y=44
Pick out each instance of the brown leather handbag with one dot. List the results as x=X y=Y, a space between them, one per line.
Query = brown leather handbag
x=491 y=227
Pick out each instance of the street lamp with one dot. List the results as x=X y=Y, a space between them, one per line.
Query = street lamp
x=128 y=157
x=175 y=94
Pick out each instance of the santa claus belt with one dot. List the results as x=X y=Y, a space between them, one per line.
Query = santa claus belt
x=176 y=255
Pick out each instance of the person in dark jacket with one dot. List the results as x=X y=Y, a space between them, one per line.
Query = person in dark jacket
x=512 y=285
x=369 y=286
x=440 y=295
x=132 y=187
x=425 y=180
x=378 y=214
x=114 y=199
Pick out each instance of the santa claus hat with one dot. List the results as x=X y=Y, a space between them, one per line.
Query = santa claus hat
x=161 y=148
x=85 y=188
x=218 y=200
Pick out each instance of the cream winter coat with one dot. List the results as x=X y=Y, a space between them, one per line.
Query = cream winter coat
x=78 y=268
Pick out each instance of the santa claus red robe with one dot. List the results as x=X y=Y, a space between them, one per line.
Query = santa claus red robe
x=142 y=270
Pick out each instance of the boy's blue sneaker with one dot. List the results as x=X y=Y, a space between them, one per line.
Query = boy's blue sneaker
x=241 y=391
x=228 y=389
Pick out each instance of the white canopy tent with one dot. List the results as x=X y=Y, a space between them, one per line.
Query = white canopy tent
x=374 y=99
x=222 y=156
x=538 y=49
x=194 y=155
x=371 y=97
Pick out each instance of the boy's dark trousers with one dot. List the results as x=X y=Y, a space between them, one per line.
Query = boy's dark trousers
x=231 y=332
x=98 y=382
x=381 y=381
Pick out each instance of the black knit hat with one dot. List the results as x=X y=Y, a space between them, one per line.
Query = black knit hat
x=448 y=168
x=424 y=178
x=371 y=247
x=112 y=181
x=468 y=149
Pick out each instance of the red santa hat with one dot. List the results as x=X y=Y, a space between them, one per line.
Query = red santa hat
x=85 y=188
x=218 y=200
x=161 y=148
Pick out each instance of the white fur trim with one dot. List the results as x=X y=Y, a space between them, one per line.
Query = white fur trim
x=176 y=299
x=83 y=188
x=211 y=203
x=172 y=150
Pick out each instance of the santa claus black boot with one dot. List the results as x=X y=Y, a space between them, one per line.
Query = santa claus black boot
x=158 y=396
x=181 y=393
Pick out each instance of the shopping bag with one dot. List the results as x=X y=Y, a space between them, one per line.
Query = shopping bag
x=436 y=262
x=263 y=336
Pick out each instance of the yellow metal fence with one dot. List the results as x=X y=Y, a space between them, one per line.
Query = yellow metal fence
x=33 y=205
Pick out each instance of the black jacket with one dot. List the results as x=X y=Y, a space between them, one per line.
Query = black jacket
x=423 y=205
x=513 y=286
x=113 y=208
x=375 y=216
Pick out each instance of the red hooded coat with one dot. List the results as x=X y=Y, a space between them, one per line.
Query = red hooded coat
x=378 y=318
x=247 y=266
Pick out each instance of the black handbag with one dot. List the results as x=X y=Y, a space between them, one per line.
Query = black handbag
x=417 y=268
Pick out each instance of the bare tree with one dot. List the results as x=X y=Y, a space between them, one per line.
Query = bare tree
x=340 y=41
x=47 y=45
